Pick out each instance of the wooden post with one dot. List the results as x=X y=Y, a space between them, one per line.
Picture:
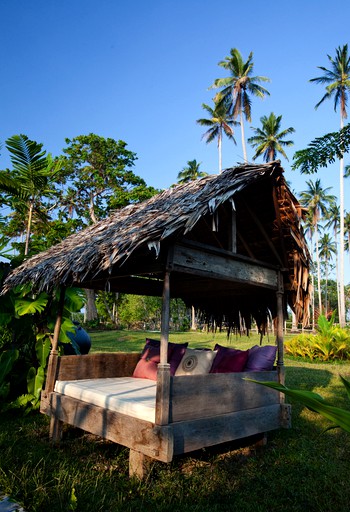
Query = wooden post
x=139 y=464
x=163 y=374
x=279 y=328
x=164 y=336
x=233 y=234
x=56 y=333
x=52 y=363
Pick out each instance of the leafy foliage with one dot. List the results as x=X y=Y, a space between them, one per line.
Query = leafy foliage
x=315 y=402
x=330 y=343
x=322 y=151
x=100 y=178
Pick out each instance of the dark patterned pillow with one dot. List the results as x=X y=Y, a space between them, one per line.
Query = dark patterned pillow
x=196 y=362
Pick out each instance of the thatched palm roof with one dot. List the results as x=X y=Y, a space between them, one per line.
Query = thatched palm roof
x=138 y=232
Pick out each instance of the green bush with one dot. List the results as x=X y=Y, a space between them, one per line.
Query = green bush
x=330 y=343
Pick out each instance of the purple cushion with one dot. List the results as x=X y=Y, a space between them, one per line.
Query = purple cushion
x=229 y=360
x=146 y=368
x=261 y=358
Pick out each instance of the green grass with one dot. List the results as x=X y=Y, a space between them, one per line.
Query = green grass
x=133 y=341
x=300 y=469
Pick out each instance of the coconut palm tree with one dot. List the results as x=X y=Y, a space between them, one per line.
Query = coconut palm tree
x=269 y=140
x=337 y=81
x=190 y=172
x=327 y=248
x=219 y=123
x=317 y=200
x=333 y=216
x=237 y=88
x=347 y=231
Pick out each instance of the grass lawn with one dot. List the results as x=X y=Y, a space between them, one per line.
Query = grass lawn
x=300 y=469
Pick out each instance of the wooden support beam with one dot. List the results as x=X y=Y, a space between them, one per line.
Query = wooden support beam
x=279 y=329
x=164 y=338
x=263 y=232
x=56 y=333
x=139 y=465
x=233 y=234
x=224 y=266
x=52 y=363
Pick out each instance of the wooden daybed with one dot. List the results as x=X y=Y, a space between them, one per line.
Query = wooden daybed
x=231 y=246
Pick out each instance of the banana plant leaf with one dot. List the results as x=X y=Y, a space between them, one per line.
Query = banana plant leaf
x=315 y=402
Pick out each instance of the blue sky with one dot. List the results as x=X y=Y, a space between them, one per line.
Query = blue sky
x=139 y=71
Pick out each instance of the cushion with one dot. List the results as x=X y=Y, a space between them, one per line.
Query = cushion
x=261 y=358
x=196 y=362
x=147 y=366
x=229 y=360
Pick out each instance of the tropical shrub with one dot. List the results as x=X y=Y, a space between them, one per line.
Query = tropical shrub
x=26 y=324
x=330 y=343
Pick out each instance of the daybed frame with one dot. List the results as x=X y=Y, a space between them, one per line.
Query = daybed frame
x=232 y=246
x=191 y=412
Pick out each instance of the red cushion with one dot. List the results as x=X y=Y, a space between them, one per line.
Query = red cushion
x=229 y=360
x=146 y=368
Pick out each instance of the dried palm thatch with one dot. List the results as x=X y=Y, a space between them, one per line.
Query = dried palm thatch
x=135 y=240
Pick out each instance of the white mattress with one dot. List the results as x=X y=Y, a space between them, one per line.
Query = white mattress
x=128 y=395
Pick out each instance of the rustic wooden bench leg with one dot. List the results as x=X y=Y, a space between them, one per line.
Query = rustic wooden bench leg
x=55 y=429
x=139 y=464
x=262 y=441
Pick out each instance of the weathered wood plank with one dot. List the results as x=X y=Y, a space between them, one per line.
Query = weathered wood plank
x=201 y=433
x=224 y=267
x=139 y=465
x=202 y=396
x=97 y=365
x=163 y=394
x=139 y=435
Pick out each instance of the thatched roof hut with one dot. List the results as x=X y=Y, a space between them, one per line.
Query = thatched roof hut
x=243 y=219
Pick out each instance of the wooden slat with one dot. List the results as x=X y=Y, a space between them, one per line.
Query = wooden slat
x=163 y=394
x=223 y=267
x=202 y=396
x=139 y=435
x=200 y=433
x=97 y=365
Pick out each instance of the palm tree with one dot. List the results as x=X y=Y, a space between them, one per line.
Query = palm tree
x=219 y=122
x=337 y=81
x=269 y=140
x=347 y=231
x=326 y=249
x=237 y=87
x=33 y=174
x=190 y=172
x=309 y=229
x=317 y=200
x=333 y=216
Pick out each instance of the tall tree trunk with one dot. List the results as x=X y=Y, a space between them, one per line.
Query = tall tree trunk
x=193 y=319
x=341 y=246
x=294 y=323
x=219 y=148
x=90 y=306
x=243 y=139
x=29 y=225
x=318 y=271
